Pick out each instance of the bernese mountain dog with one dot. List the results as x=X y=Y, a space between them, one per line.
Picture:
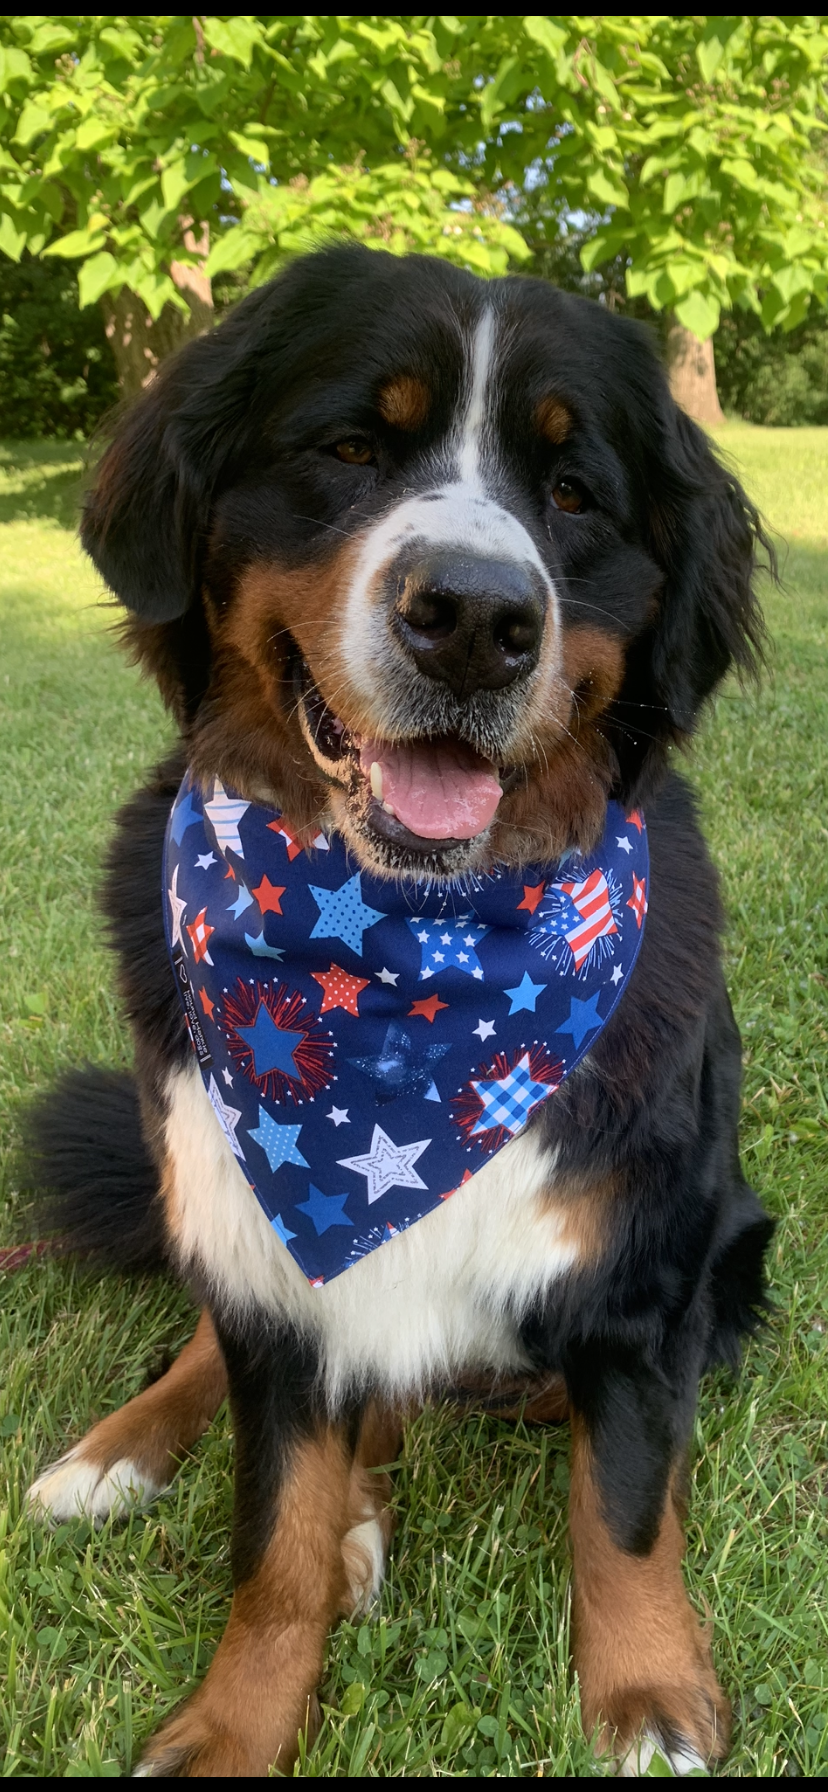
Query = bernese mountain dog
x=433 y=575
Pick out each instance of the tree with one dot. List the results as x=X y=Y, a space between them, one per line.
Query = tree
x=158 y=151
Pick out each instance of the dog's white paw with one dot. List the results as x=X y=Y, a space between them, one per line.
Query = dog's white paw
x=680 y=1756
x=364 y=1549
x=75 y=1487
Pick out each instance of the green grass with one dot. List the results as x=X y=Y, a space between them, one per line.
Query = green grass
x=464 y=1671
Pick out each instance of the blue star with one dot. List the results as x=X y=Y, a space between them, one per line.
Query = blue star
x=324 y=1210
x=583 y=1019
x=277 y=1142
x=270 y=1044
x=243 y=901
x=343 y=915
x=449 y=945
x=508 y=1100
x=526 y=994
x=398 y=1069
x=184 y=817
x=260 y=948
x=279 y=1227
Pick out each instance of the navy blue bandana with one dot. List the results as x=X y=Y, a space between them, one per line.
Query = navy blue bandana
x=368 y=1045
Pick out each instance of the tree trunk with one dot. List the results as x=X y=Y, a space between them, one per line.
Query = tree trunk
x=692 y=370
x=138 y=343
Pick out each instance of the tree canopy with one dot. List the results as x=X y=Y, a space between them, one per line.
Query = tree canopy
x=137 y=145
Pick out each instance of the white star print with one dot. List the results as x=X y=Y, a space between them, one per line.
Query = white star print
x=438 y=957
x=387 y=1165
x=228 y=1118
x=485 y=1029
x=228 y=1079
x=339 y=1116
x=622 y=840
x=423 y=937
x=204 y=859
x=469 y=939
x=178 y=905
x=478 y=974
x=445 y=939
x=428 y=972
x=386 y=976
x=462 y=958
x=617 y=974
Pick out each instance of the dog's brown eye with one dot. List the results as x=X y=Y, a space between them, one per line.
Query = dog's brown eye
x=354 y=451
x=568 y=496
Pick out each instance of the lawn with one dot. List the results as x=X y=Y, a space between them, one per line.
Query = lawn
x=463 y=1671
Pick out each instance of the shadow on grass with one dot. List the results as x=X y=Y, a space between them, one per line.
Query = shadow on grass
x=44 y=482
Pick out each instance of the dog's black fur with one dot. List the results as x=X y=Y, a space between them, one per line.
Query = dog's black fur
x=221 y=465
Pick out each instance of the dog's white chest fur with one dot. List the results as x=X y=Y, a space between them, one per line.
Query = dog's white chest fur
x=443 y=1296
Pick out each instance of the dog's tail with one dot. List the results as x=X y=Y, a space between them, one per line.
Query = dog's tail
x=96 y=1184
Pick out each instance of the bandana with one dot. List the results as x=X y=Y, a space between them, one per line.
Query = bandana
x=368 y=1045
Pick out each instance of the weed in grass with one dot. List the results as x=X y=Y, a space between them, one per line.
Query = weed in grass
x=463 y=1671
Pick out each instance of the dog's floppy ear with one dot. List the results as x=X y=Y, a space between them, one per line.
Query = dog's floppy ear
x=708 y=539
x=145 y=517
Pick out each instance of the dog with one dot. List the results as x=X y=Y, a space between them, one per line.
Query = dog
x=434 y=576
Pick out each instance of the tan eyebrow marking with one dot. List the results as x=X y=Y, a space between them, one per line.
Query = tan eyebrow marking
x=404 y=402
x=554 y=419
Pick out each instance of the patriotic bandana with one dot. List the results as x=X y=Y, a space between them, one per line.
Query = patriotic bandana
x=368 y=1045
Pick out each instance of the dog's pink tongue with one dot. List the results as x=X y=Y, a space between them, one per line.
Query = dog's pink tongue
x=441 y=791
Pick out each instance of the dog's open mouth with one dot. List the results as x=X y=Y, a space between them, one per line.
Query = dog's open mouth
x=426 y=794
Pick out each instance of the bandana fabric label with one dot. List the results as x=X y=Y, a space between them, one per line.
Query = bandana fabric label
x=368 y=1045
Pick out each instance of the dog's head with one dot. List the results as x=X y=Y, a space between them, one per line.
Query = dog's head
x=431 y=559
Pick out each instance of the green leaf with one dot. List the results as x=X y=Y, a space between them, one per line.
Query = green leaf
x=254 y=147
x=792 y=280
x=94 y=132
x=98 y=275
x=352 y=1699
x=76 y=243
x=543 y=32
x=12 y=239
x=709 y=54
x=33 y=121
x=48 y=39
x=608 y=188
x=14 y=66
x=232 y=250
x=699 y=314
x=234 y=37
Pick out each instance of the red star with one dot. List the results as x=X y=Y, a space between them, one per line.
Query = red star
x=636 y=820
x=532 y=894
x=638 y=899
x=293 y=845
x=269 y=896
x=341 y=989
x=429 y=1008
x=200 y=933
x=229 y=873
x=204 y=999
x=466 y=1177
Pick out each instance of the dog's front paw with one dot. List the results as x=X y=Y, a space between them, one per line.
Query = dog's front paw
x=196 y=1744
x=78 y=1487
x=688 y=1726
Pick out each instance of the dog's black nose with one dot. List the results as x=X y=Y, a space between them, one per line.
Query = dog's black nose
x=473 y=624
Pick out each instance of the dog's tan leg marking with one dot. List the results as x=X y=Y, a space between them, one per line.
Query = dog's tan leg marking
x=371 y=1522
x=643 y=1658
x=127 y=1459
x=260 y=1691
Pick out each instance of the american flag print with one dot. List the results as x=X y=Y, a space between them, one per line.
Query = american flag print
x=579 y=917
x=338 y=1035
